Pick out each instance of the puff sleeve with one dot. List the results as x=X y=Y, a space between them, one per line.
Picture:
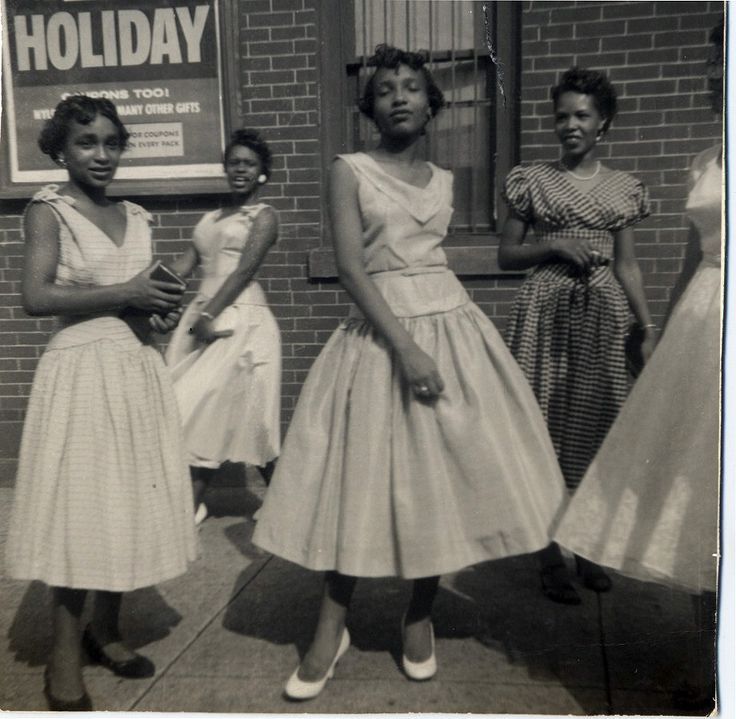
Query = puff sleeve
x=516 y=193
x=637 y=205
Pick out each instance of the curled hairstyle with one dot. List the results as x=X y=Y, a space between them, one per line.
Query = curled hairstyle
x=253 y=141
x=593 y=83
x=387 y=56
x=82 y=109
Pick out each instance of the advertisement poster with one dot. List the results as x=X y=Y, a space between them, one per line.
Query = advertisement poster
x=157 y=60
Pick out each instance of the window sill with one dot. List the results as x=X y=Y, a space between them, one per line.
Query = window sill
x=473 y=261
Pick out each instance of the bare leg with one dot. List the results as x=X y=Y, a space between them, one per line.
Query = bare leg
x=65 y=665
x=267 y=471
x=417 y=635
x=336 y=596
x=104 y=626
x=201 y=478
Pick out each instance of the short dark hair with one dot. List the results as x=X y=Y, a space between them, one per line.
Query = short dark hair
x=593 y=83
x=387 y=56
x=253 y=141
x=82 y=109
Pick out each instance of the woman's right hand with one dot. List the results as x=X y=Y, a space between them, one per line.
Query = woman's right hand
x=421 y=373
x=152 y=295
x=575 y=251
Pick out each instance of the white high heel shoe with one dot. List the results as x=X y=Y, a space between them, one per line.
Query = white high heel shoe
x=201 y=514
x=297 y=688
x=419 y=671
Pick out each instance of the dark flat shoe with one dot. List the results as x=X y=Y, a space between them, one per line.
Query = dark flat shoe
x=139 y=667
x=83 y=704
x=556 y=585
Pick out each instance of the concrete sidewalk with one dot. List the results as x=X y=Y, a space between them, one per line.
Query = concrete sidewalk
x=226 y=636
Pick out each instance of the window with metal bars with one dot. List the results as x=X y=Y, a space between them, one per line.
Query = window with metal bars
x=476 y=135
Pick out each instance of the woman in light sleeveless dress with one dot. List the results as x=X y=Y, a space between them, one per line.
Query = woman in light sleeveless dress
x=225 y=355
x=417 y=447
x=648 y=506
x=102 y=499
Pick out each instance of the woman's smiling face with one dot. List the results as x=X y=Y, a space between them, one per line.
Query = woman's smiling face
x=242 y=168
x=578 y=123
x=92 y=152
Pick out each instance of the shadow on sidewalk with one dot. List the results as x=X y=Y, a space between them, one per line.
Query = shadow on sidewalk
x=145 y=617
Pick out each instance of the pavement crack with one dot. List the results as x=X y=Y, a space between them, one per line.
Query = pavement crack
x=164 y=672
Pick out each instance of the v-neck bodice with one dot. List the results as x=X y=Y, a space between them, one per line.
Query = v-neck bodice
x=542 y=196
x=403 y=225
x=88 y=256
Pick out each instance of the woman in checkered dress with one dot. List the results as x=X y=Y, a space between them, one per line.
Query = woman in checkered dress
x=569 y=323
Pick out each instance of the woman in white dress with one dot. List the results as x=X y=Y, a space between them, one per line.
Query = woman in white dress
x=417 y=447
x=648 y=504
x=225 y=356
x=102 y=498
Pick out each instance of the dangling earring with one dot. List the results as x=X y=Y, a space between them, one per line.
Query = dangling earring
x=261 y=179
x=61 y=161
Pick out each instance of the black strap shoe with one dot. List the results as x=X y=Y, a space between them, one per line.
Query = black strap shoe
x=139 y=667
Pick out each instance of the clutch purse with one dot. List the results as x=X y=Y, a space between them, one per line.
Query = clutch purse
x=632 y=349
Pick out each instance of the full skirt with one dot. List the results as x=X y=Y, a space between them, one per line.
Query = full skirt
x=229 y=392
x=375 y=482
x=648 y=505
x=567 y=332
x=103 y=498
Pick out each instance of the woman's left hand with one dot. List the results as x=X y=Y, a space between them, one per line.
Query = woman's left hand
x=204 y=331
x=165 y=323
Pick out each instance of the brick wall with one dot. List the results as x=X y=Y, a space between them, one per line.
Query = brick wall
x=654 y=51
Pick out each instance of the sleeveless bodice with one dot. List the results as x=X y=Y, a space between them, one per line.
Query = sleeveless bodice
x=704 y=204
x=89 y=258
x=220 y=241
x=403 y=225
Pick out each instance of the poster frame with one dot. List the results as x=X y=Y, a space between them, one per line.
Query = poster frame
x=230 y=113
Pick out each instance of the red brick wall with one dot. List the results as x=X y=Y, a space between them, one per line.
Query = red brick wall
x=654 y=51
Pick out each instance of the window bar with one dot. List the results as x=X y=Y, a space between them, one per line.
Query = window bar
x=408 y=21
x=429 y=62
x=474 y=130
x=453 y=6
x=362 y=76
x=385 y=21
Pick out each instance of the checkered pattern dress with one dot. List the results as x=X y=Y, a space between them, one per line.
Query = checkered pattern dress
x=567 y=328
